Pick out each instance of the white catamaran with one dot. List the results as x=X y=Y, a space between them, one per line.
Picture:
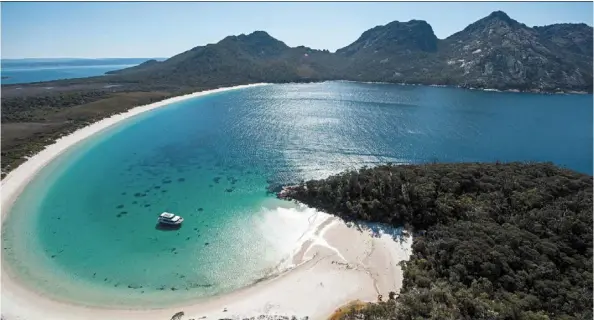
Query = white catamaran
x=170 y=219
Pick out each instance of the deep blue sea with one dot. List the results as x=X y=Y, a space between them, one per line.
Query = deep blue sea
x=84 y=230
x=36 y=70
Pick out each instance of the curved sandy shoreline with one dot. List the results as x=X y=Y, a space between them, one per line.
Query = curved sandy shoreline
x=14 y=183
x=335 y=265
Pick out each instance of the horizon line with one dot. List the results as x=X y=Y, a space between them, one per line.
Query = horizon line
x=80 y=58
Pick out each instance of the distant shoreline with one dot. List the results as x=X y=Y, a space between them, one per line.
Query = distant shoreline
x=510 y=90
x=535 y=91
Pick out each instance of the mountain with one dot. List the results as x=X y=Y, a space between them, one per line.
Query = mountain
x=576 y=38
x=256 y=57
x=494 y=52
x=499 y=52
x=395 y=37
x=385 y=53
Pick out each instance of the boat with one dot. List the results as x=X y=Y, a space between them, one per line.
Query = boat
x=170 y=219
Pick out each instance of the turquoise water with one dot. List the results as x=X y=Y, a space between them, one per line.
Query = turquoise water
x=84 y=230
x=31 y=70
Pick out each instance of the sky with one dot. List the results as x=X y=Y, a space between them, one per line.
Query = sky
x=162 y=29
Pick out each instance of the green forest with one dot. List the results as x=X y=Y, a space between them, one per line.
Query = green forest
x=491 y=241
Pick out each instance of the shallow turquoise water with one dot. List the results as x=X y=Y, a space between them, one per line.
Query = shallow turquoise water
x=92 y=213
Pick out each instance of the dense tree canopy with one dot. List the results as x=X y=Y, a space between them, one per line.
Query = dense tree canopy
x=21 y=109
x=491 y=241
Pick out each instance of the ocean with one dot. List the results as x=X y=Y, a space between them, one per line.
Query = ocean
x=36 y=70
x=85 y=229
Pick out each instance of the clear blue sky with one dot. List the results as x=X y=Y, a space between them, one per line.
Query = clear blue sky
x=136 y=29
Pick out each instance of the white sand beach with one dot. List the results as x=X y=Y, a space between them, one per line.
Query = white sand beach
x=336 y=264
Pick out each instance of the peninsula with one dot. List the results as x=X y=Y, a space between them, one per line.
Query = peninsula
x=491 y=241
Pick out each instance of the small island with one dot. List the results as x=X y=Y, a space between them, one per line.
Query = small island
x=512 y=240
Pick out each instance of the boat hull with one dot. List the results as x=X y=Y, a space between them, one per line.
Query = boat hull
x=171 y=223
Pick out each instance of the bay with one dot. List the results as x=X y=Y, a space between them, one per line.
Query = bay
x=85 y=229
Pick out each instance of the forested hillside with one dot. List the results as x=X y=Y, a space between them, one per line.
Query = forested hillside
x=491 y=241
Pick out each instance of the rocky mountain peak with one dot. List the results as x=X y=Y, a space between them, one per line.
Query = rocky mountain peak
x=396 y=36
x=257 y=44
x=256 y=37
x=499 y=15
x=494 y=27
